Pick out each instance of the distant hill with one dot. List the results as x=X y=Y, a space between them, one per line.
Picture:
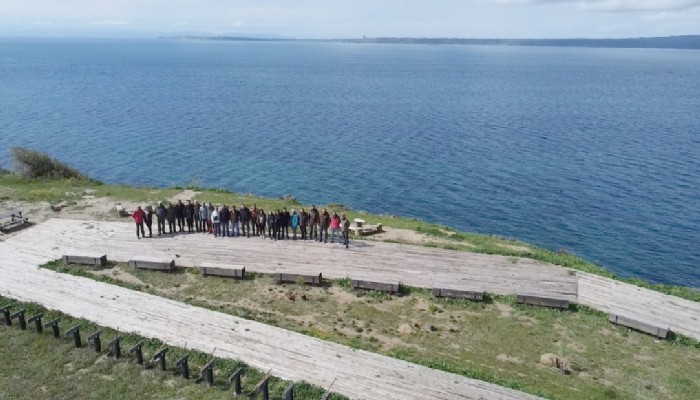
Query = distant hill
x=666 y=42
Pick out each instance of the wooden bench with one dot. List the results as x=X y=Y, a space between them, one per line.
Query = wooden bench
x=638 y=325
x=211 y=269
x=87 y=259
x=541 y=299
x=469 y=294
x=154 y=264
x=294 y=278
x=12 y=219
x=374 y=285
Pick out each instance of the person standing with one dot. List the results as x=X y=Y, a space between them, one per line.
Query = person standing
x=161 y=215
x=254 y=218
x=346 y=230
x=189 y=216
x=245 y=220
x=180 y=213
x=235 y=220
x=172 y=215
x=204 y=217
x=287 y=220
x=323 y=222
x=271 y=220
x=303 y=222
x=313 y=223
x=195 y=216
x=138 y=216
x=294 y=223
x=224 y=217
x=262 y=220
x=216 y=222
x=148 y=220
x=335 y=227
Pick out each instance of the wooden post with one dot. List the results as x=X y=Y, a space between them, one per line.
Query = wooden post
x=75 y=331
x=235 y=380
x=94 y=339
x=6 y=312
x=137 y=349
x=20 y=318
x=160 y=357
x=207 y=373
x=37 y=322
x=289 y=393
x=183 y=366
x=115 y=348
x=54 y=327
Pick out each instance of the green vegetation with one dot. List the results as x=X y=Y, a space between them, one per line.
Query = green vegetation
x=496 y=341
x=37 y=366
x=33 y=164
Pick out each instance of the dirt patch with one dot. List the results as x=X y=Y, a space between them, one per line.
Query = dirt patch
x=505 y=310
x=120 y=275
x=408 y=236
x=184 y=196
x=508 y=359
x=517 y=248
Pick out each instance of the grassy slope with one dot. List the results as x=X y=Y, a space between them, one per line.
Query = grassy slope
x=37 y=366
x=70 y=191
x=497 y=341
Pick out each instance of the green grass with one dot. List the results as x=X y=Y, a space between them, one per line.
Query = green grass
x=38 y=366
x=14 y=187
x=496 y=341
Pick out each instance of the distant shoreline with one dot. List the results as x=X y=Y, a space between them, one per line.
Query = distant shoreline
x=687 y=42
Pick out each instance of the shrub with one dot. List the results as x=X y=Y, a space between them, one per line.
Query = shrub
x=33 y=164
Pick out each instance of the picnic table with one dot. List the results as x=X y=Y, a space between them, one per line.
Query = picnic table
x=11 y=219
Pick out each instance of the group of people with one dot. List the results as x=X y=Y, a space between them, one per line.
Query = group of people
x=227 y=221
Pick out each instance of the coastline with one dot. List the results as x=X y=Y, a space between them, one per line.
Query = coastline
x=79 y=198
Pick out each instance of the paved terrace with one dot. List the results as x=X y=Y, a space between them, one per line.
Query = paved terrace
x=359 y=374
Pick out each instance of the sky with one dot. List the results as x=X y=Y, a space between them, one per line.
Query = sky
x=352 y=18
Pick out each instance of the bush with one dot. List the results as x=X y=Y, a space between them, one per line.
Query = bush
x=33 y=164
x=4 y=172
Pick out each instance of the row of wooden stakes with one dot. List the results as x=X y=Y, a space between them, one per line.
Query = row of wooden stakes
x=159 y=358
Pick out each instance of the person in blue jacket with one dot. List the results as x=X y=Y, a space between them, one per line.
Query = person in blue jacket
x=294 y=223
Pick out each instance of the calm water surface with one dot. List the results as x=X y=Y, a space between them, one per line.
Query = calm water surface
x=591 y=150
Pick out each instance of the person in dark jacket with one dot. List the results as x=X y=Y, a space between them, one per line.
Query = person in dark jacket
x=245 y=220
x=180 y=214
x=303 y=222
x=224 y=217
x=287 y=221
x=148 y=220
x=254 y=218
x=161 y=215
x=346 y=230
x=313 y=223
x=172 y=215
x=279 y=223
x=324 y=222
x=195 y=216
x=189 y=216
x=235 y=222
x=271 y=220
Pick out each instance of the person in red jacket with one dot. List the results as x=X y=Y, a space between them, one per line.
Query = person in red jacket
x=139 y=216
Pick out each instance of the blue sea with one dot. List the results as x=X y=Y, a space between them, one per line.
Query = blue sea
x=595 y=151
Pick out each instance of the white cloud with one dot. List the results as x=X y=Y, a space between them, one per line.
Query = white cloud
x=617 y=5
